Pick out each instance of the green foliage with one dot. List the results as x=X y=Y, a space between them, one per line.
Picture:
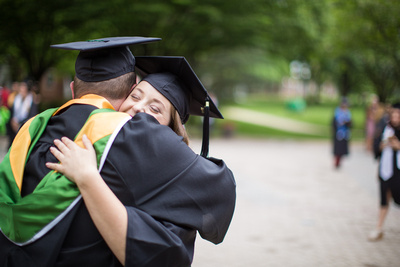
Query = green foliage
x=233 y=45
x=365 y=40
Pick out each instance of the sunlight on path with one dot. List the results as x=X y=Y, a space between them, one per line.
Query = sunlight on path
x=294 y=209
x=273 y=121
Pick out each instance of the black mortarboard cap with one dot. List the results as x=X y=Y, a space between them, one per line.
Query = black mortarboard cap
x=105 y=58
x=187 y=94
x=188 y=88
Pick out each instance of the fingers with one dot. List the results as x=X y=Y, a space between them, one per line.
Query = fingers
x=64 y=146
x=54 y=166
x=57 y=153
x=60 y=145
x=86 y=142
x=68 y=142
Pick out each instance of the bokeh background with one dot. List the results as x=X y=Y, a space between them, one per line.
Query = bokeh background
x=293 y=58
x=277 y=69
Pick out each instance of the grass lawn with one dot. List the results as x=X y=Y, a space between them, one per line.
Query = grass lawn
x=316 y=114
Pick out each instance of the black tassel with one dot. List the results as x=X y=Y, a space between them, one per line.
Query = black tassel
x=206 y=129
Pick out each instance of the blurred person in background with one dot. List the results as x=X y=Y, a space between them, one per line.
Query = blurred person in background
x=341 y=125
x=379 y=126
x=4 y=111
x=13 y=93
x=374 y=113
x=23 y=108
x=387 y=151
x=4 y=93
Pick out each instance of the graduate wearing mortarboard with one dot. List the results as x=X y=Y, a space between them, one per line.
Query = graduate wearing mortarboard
x=168 y=192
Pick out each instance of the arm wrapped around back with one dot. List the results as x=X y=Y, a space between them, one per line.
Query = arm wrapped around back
x=169 y=192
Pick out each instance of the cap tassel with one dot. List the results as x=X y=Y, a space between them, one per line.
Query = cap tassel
x=206 y=129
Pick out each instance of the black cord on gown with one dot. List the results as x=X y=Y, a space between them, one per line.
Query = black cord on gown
x=206 y=129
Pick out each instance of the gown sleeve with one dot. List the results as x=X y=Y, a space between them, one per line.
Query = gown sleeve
x=169 y=192
x=151 y=242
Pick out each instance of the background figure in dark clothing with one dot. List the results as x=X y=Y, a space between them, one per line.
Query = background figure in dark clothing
x=23 y=108
x=387 y=150
x=341 y=131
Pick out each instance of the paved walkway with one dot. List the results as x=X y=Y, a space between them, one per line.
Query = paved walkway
x=273 y=121
x=295 y=210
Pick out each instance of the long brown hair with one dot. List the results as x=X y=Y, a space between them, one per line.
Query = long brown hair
x=176 y=125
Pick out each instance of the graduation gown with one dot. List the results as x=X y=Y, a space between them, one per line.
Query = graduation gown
x=389 y=166
x=341 y=125
x=169 y=193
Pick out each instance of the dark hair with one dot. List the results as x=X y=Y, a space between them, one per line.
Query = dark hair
x=29 y=83
x=396 y=105
x=116 y=88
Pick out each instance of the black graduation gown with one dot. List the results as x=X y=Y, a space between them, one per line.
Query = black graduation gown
x=340 y=145
x=169 y=193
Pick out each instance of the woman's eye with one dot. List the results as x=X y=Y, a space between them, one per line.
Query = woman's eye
x=155 y=109
x=135 y=97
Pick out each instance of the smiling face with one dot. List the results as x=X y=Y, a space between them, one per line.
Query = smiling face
x=144 y=98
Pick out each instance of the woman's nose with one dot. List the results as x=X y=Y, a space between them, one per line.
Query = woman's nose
x=138 y=108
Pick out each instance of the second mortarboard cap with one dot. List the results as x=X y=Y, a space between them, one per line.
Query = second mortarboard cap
x=105 y=58
x=187 y=94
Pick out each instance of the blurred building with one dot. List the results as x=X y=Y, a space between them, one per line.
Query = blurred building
x=54 y=88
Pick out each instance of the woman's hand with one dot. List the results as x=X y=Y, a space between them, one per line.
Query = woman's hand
x=106 y=210
x=76 y=163
x=394 y=143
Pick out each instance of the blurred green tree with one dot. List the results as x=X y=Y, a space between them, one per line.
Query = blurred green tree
x=30 y=27
x=364 y=44
x=235 y=44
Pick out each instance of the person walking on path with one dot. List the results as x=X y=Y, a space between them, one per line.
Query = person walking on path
x=341 y=131
x=388 y=152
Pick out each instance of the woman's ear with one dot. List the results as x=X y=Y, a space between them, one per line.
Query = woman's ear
x=71 y=85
